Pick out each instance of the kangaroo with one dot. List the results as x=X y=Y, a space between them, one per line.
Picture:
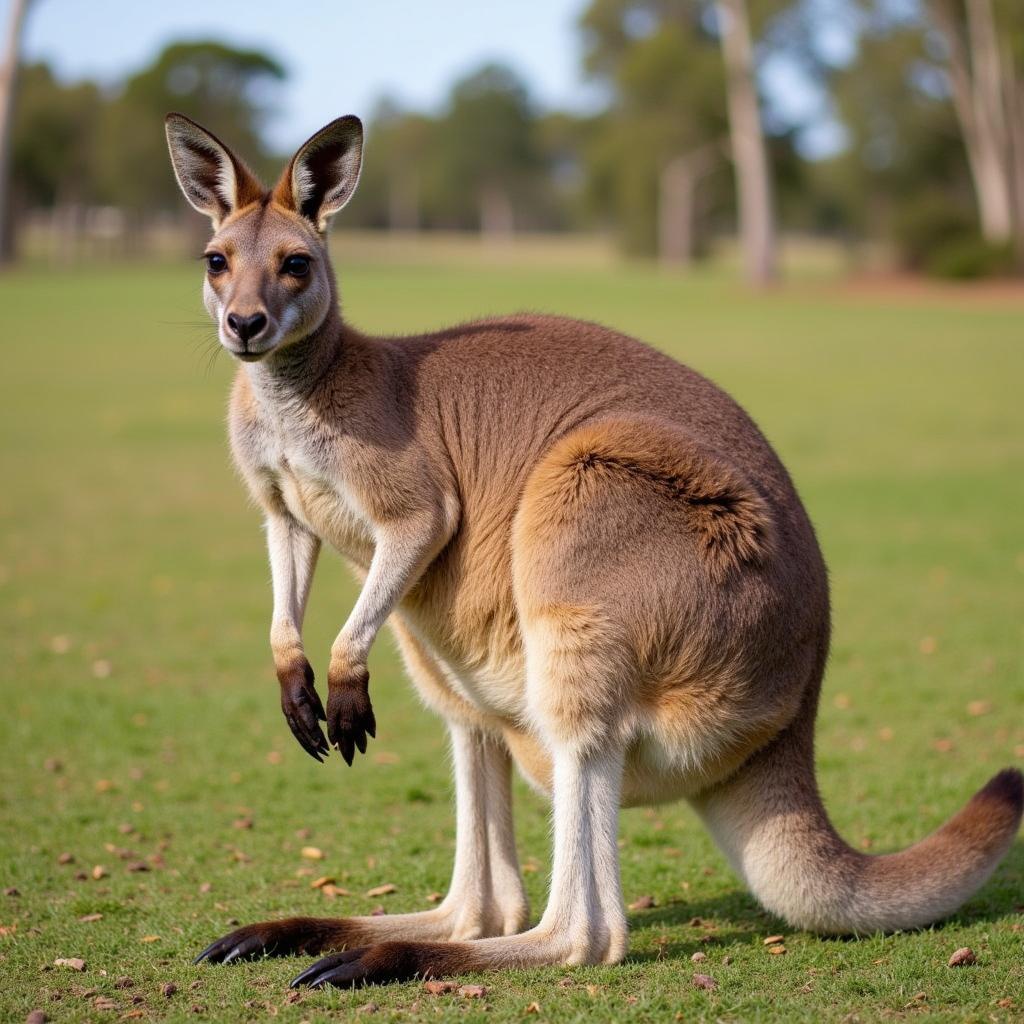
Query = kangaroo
x=597 y=570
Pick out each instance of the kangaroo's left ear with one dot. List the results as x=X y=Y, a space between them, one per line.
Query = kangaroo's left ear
x=324 y=173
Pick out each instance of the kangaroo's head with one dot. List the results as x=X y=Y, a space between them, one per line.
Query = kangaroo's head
x=269 y=281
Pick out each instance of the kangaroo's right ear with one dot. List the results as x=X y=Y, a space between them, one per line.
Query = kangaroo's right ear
x=212 y=178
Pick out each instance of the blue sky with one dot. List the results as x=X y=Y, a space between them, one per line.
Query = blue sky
x=343 y=56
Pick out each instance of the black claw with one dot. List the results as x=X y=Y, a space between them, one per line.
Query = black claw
x=338 y=969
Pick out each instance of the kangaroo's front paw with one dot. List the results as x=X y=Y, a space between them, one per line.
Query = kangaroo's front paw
x=302 y=708
x=349 y=712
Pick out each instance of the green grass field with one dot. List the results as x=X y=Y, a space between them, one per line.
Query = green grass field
x=141 y=726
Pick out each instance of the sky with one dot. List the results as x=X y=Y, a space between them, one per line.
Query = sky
x=342 y=56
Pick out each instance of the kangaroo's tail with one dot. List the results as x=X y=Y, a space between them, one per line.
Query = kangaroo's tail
x=770 y=822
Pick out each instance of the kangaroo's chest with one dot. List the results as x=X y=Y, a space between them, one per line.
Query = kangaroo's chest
x=316 y=495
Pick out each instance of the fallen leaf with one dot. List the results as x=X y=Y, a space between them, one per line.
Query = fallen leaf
x=36 y=1017
x=150 y=938
x=382 y=890
x=565 y=983
x=532 y=1008
x=726 y=960
x=66 y=858
x=643 y=903
x=91 y=917
x=319 y=883
x=367 y=1008
x=976 y=708
x=133 y=1015
x=312 y=853
x=242 y=823
x=205 y=887
x=439 y=988
x=434 y=897
x=124 y=982
x=777 y=950
x=168 y=990
x=705 y=981
x=773 y=939
x=11 y=891
x=53 y=764
x=99 y=871
x=915 y=1000
x=138 y=865
x=126 y=828
x=104 y=1003
x=472 y=991
x=101 y=668
x=74 y=962
x=943 y=746
x=333 y=891
x=963 y=957
x=274 y=757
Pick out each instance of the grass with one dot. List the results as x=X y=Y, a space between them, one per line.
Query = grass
x=141 y=711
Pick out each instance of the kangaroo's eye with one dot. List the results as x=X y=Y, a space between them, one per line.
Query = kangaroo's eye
x=215 y=263
x=297 y=266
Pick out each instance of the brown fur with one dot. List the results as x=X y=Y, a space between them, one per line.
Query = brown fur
x=589 y=552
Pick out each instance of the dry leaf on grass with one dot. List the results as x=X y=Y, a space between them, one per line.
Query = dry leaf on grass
x=124 y=982
x=98 y=872
x=74 y=962
x=472 y=991
x=777 y=950
x=439 y=988
x=532 y=1008
x=705 y=981
x=963 y=957
x=168 y=990
x=643 y=903
x=312 y=853
x=773 y=939
x=698 y=957
x=90 y=917
x=319 y=883
x=150 y=938
x=36 y=1017
x=382 y=890
x=367 y=1008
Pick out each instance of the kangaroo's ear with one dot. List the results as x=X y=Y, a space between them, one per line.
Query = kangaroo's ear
x=213 y=179
x=324 y=173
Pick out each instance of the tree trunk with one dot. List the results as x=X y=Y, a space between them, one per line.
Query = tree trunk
x=8 y=80
x=677 y=206
x=977 y=76
x=404 y=201
x=496 y=217
x=750 y=158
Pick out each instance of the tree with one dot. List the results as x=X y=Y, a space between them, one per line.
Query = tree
x=488 y=148
x=225 y=89
x=660 y=141
x=750 y=158
x=8 y=80
x=989 y=103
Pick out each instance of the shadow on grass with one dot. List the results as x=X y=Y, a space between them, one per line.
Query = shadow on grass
x=1000 y=898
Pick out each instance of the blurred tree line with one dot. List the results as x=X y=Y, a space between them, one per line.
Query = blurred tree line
x=691 y=142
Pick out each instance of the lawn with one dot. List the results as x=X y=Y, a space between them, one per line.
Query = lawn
x=151 y=796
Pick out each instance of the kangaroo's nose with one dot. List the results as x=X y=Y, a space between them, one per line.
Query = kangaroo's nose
x=246 y=327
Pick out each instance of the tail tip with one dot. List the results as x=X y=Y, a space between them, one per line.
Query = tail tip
x=1006 y=790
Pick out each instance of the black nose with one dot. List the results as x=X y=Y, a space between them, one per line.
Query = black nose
x=246 y=327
